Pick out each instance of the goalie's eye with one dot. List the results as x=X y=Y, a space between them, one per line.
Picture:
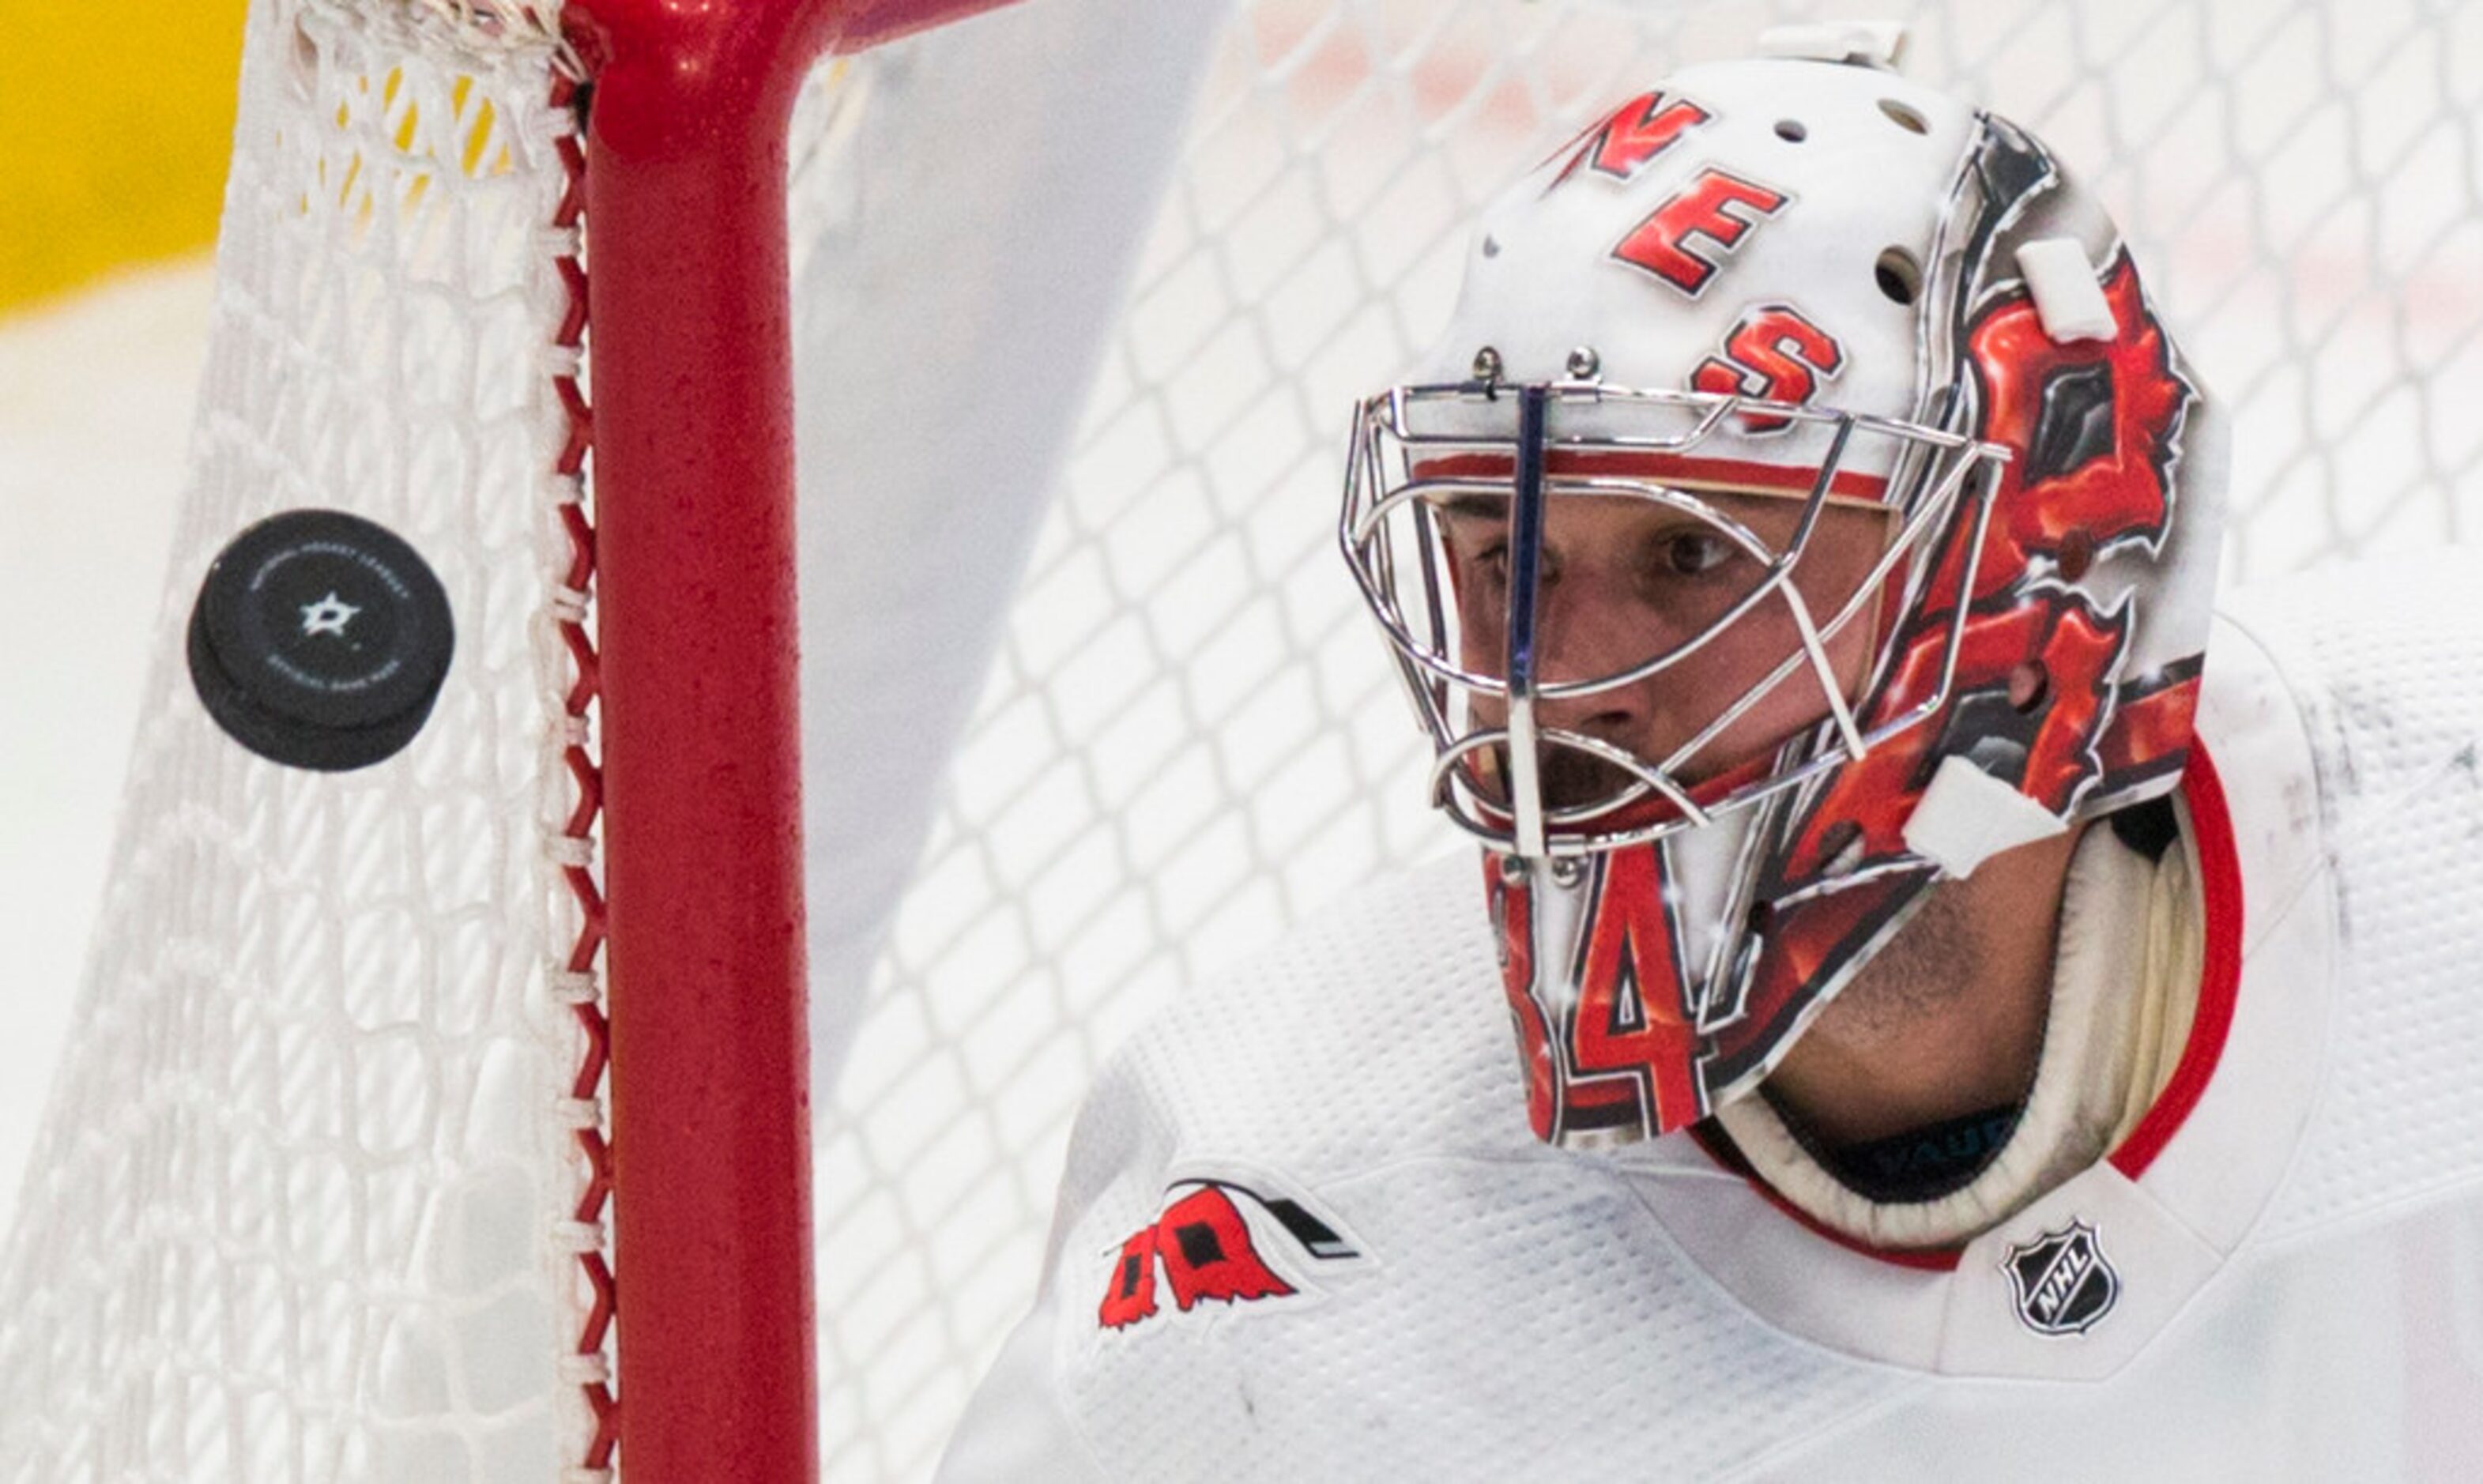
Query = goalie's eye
x=1694 y=553
x=1490 y=567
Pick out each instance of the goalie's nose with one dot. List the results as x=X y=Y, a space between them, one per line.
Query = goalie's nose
x=1592 y=631
x=1589 y=636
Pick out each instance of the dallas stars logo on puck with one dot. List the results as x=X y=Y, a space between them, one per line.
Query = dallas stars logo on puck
x=328 y=616
x=2062 y=1283
x=320 y=640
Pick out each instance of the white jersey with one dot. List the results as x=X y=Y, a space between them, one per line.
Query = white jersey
x=1305 y=1234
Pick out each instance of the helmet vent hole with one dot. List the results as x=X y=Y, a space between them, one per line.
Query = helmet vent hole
x=1901 y=277
x=1904 y=117
x=1792 y=130
x=2030 y=685
x=2077 y=556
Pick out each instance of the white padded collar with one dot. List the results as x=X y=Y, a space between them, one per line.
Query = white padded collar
x=2125 y=982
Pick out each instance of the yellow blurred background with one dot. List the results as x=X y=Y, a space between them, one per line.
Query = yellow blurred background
x=118 y=120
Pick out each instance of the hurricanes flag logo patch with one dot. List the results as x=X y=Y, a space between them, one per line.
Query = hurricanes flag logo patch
x=1203 y=1247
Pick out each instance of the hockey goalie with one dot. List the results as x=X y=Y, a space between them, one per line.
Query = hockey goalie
x=1978 y=1013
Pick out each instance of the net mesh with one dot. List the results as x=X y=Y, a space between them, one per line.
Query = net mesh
x=293 y=1212
x=306 y=1206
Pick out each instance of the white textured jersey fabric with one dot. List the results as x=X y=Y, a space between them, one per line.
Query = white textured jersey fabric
x=1305 y=1234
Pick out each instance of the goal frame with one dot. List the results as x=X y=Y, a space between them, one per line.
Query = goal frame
x=689 y=356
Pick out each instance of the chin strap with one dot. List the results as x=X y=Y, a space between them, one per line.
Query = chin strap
x=1967 y=816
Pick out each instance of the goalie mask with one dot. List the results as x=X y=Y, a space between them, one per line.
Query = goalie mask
x=1803 y=505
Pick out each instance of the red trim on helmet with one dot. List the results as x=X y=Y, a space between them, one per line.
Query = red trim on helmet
x=2150 y=729
x=2212 y=829
x=2220 y=882
x=1726 y=474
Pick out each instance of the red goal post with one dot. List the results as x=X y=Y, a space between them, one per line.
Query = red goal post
x=690 y=356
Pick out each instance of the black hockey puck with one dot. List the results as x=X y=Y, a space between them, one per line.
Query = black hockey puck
x=320 y=641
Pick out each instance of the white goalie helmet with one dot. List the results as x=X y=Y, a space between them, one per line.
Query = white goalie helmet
x=1803 y=504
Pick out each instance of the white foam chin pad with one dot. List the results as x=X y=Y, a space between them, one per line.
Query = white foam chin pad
x=1967 y=816
x=2067 y=295
x=1877 y=43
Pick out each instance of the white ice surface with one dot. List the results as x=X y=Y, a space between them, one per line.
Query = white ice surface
x=96 y=392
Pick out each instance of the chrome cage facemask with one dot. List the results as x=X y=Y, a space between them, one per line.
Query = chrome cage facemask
x=1413 y=448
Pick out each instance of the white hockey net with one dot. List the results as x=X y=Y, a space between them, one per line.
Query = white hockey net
x=296 y=1211
x=305 y=1203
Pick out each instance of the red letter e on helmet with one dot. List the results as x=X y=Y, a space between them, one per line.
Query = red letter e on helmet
x=1718 y=208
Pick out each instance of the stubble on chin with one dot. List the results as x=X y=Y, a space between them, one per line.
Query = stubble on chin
x=1913 y=985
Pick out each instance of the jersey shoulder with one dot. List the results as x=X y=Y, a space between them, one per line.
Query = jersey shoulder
x=1371 y=1032
x=1305 y=1232
x=2382 y=660
x=2380 y=667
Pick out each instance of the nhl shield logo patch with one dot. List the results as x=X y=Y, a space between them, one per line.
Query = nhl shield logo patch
x=2063 y=1282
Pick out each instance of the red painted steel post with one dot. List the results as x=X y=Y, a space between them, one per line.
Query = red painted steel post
x=690 y=353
